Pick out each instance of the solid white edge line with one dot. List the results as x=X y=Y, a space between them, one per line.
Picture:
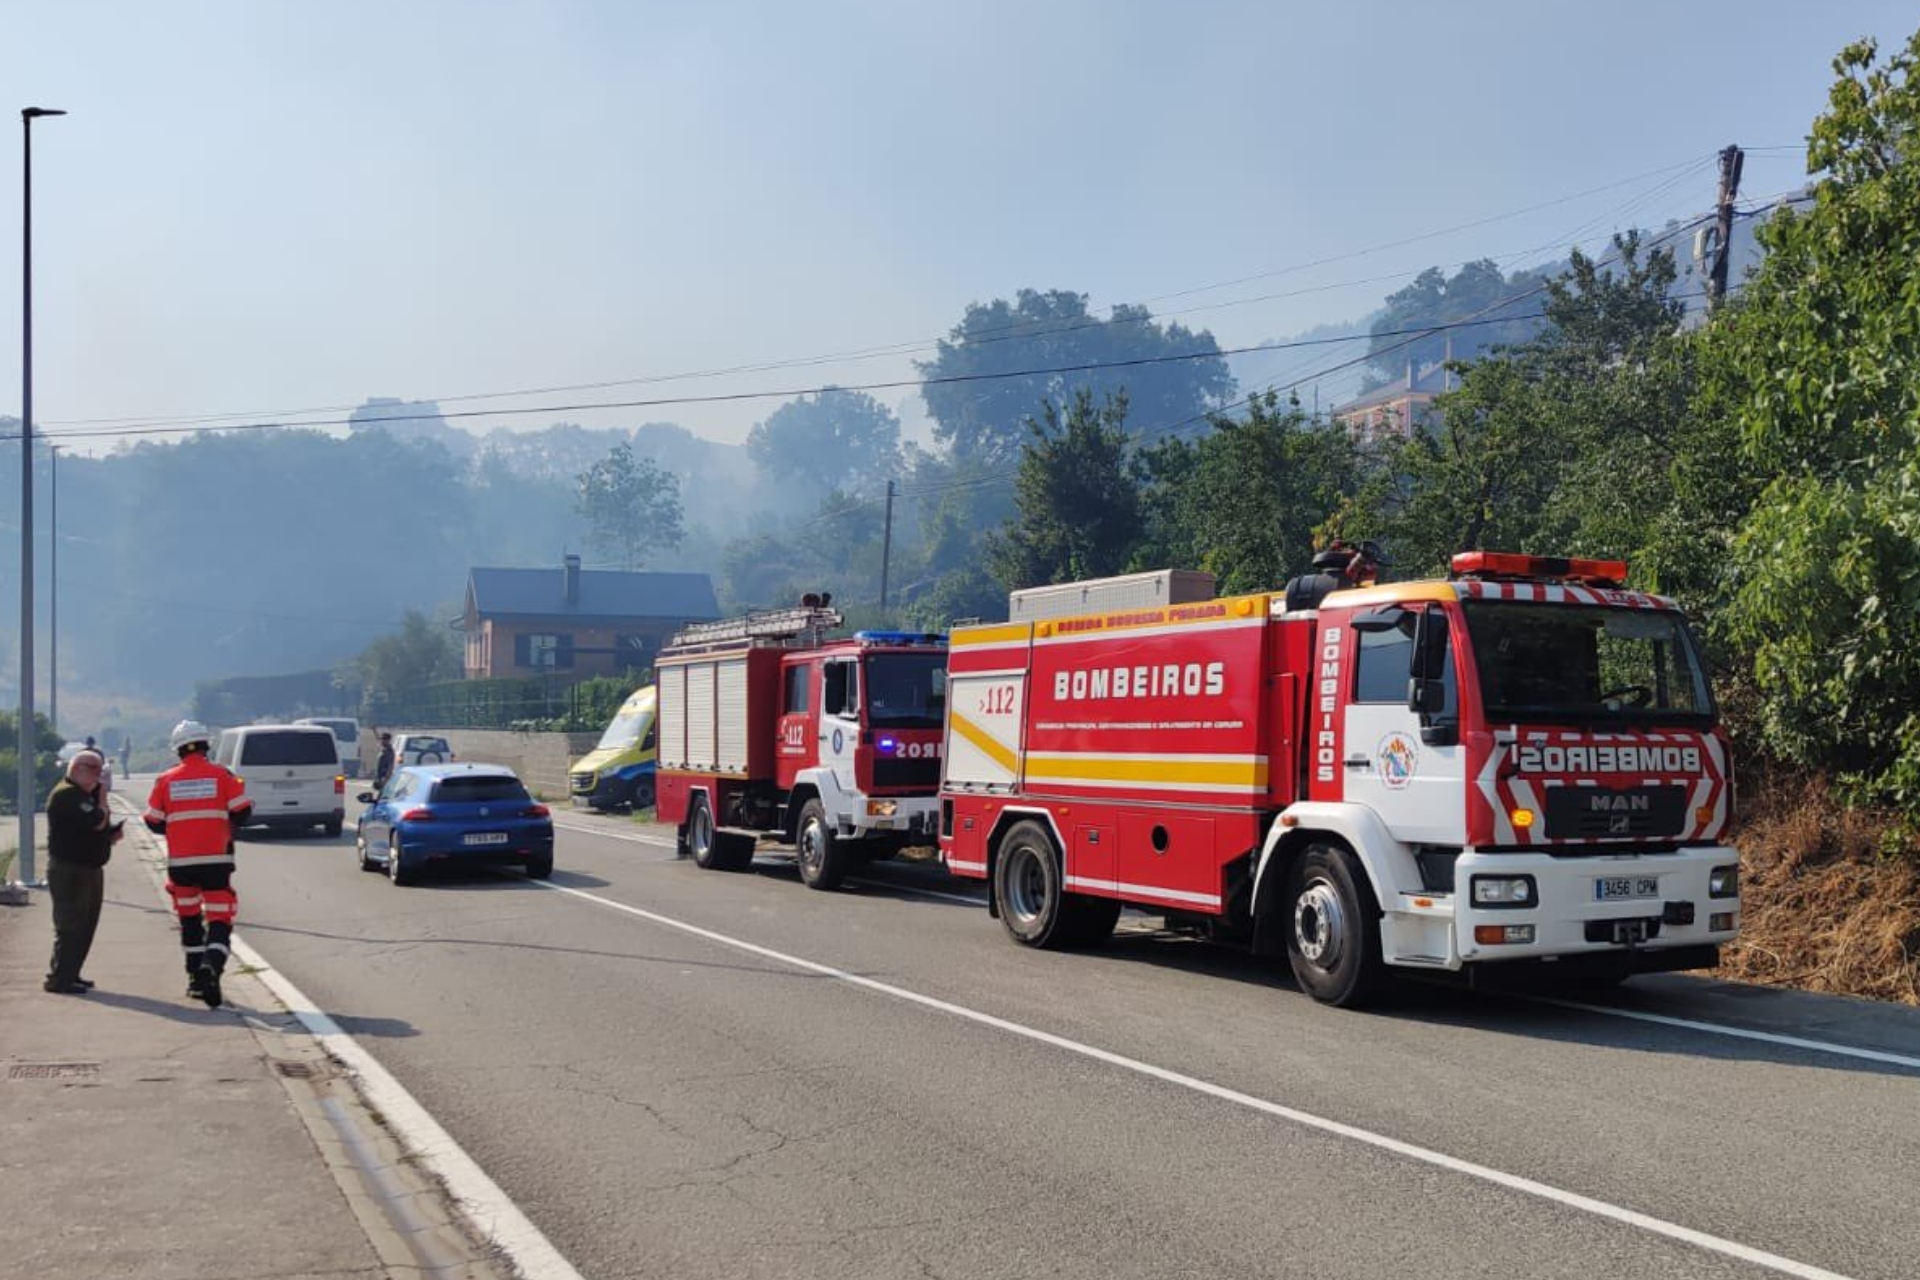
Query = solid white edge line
x=1740 y=1033
x=478 y=1197
x=1513 y=1182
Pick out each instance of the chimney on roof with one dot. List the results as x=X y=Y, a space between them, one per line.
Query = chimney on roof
x=570 y=571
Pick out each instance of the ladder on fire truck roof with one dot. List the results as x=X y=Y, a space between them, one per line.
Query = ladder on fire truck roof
x=771 y=626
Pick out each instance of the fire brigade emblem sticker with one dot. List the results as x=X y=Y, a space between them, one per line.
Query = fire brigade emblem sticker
x=1399 y=758
x=838 y=742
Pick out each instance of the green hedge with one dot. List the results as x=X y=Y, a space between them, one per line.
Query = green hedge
x=531 y=703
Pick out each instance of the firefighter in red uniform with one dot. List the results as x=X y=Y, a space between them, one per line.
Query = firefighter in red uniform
x=196 y=805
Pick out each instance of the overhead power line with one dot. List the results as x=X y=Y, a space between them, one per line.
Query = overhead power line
x=1011 y=332
x=784 y=394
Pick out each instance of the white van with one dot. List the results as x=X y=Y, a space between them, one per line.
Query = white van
x=346 y=730
x=292 y=772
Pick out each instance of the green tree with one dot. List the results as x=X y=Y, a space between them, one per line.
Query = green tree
x=632 y=507
x=1819 y=362
x=421 y=652
x=837 y=439
x=1478 y=291
x=46 y=766
x=1246 y=500
x=1079 y=503
x=981 y=417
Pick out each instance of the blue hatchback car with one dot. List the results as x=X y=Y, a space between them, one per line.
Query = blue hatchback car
x=453 y=815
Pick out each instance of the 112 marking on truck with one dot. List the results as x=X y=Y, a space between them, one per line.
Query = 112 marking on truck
x=1519 y=768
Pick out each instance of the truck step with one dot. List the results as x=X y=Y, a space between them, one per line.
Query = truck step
x=740 y=833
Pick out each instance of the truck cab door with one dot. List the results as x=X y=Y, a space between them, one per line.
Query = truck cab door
x=1400 y=749
x=799 y=720
x=839 y=726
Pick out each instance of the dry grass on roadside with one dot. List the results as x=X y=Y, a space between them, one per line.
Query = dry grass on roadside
x=1825 y=907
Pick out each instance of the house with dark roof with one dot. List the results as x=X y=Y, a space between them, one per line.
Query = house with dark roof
x=573 y=622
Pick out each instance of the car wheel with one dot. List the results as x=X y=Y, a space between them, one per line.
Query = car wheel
x=395 y=872
x=1333 y=927
x=643 y=794
x=823 y=856
x=360 y=848
x=540 y=868
x=333 y=828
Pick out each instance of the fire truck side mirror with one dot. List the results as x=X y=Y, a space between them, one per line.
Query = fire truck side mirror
x=1385 y=620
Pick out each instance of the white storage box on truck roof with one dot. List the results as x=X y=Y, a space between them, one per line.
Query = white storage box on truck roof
x=1128 y=591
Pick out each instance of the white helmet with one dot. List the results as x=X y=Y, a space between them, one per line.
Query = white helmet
x=188 y=732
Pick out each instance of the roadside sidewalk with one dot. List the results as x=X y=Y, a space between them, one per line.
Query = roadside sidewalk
x=143 y=1134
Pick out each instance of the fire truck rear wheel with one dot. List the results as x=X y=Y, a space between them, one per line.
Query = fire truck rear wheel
x=1030 y=887
x=699 y=840
x=823 y=856
x=1333 y=927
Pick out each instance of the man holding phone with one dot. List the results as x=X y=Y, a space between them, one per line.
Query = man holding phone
x=80 y=837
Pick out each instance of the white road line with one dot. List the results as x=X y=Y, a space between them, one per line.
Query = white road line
x=660 y=843
x=1704 y=1028
x=486 y=1206
x=1740 y=1033
x=1513 y=1182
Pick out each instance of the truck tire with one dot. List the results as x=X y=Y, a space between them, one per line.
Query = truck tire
x=700 y=841
x=1333 y=927
x=713 y=849
x=823 y=856
x=1029 y=887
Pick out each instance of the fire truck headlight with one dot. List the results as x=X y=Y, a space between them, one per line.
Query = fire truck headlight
x=1724 y=882
x=882 y=808
x=1504 y=891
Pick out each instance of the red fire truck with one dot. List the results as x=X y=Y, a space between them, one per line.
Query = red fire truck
x=1521 y=763
x=831 y=746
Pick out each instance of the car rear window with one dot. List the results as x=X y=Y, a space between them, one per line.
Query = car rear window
x=289 y=746
x=415 y=745
x=479 y=788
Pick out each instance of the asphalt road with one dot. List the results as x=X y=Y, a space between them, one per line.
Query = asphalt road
x=678 y=1073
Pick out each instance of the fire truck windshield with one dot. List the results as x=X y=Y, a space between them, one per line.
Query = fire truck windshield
x=1585 y=664
x=906 y=690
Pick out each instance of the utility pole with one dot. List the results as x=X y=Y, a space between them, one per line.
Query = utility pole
x=53 y=588
x=886 y=547
x=1731 y=161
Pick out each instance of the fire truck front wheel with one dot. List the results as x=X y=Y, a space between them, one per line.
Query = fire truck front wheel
x=1333 y=927
x=823 y=856
x=1030 y=889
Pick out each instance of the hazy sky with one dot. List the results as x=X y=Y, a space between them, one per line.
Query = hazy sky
x=276 y=206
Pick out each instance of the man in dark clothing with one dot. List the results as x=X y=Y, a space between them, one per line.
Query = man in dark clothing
x=80 y=837
x=1338 y=568
x=383 y=767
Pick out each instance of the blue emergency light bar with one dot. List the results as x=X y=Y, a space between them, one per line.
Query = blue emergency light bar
x=900 y=637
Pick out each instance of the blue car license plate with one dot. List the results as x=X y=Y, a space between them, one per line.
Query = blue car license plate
x=485 y=837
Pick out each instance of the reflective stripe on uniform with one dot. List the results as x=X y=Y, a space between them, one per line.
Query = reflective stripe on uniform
x=190 y=815
x=202 y=860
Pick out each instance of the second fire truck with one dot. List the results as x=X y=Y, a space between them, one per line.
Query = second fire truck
x=1518 y=767
x=768 y=729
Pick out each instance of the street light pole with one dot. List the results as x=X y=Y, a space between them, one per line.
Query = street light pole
x=53 y=587
x=25 y=799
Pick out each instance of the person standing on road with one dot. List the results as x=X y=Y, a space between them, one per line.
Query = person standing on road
x=197 y=804
x=81 y=834
x=383 y=767
x=126 y=755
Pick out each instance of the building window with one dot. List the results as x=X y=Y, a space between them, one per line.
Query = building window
x=543 y=651
x=633 y=652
